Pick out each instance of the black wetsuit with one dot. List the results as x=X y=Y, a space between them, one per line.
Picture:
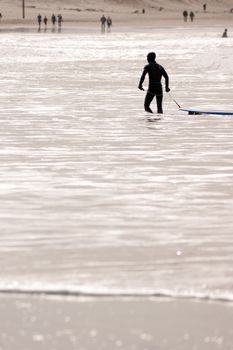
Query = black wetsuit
x=155 y=72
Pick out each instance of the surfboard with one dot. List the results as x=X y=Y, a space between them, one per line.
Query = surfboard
x=198 y=111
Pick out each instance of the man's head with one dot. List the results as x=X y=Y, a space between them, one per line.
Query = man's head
x=151 y=57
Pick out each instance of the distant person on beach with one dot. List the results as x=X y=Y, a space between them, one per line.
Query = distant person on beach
x=204 y=7
x=109 y=23
x=53 y=19
x=224 y=34
x=155 y=73
x=0 y=16
x=191 y=15
x=59 y=20
x=45 y=21
x=39 y=20
x=185 y=15
x=143 y=11
x=103 y=23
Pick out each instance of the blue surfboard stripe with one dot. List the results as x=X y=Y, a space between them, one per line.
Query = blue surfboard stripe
x=204 y=111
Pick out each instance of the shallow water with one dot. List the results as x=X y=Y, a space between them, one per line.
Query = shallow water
x=96 y=197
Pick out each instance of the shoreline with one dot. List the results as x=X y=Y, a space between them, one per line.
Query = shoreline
x=155 y=19
x=98 y=296
x=118 y=27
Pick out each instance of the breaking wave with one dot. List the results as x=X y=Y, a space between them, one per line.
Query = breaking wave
x=119 y=294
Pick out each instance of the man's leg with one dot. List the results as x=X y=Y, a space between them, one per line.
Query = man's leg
x=159 y=99
x=148 y=99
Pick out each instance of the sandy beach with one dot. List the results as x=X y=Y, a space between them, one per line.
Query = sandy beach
x=98 y=198
x=123 y=13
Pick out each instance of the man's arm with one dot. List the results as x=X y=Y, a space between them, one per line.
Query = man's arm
x=142 y=79
x=166 y=80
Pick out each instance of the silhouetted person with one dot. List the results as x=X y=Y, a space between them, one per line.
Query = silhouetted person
x=0 y=16
x=185 y=15
x=45 y=21
x=39 y=19
x=53 y=19
x=224 y=34
x=155 y=72
x=191 y=15
x=103 y=23
x=109 y=23
x=204 y=7
x=143 y=11
x=59 y=20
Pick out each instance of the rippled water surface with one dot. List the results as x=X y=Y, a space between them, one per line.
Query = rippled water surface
x=97 y=197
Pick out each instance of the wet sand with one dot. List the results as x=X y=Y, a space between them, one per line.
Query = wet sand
x=129 y=324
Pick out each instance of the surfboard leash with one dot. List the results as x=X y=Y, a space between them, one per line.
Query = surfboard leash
x=174 y=100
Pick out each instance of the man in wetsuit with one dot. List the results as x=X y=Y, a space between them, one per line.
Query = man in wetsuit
x=155 y=73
